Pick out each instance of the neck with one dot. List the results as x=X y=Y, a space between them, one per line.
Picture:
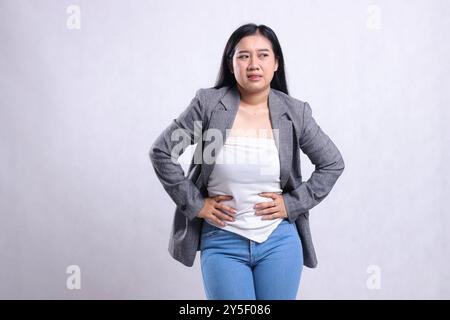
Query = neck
x=254 y=99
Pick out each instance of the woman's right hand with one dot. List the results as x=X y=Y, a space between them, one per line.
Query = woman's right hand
x=211 y=210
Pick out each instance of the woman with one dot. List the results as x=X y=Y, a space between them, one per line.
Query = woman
x=248 y=218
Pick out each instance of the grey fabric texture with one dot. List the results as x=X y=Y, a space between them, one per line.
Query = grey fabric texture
x=295 y=129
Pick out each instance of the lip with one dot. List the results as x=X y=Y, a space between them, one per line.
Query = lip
x=254 y=77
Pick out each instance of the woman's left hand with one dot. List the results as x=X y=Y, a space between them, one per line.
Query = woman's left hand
x=272 y=209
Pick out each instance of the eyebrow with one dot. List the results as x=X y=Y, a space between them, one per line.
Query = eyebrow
x=242 y=51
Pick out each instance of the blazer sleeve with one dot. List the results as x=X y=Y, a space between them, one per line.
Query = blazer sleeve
x=328 y=163
x=180 y=133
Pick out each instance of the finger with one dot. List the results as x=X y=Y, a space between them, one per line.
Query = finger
x=226 y=208
x=266 y=204
x=272 y=195
x=271 y=217
x=223 y=197
x=222 y=215
x=267 y=211
x=216 y=220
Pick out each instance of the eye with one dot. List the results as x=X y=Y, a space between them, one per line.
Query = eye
x=242 y=57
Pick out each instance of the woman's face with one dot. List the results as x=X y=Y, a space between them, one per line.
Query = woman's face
x=254 y=63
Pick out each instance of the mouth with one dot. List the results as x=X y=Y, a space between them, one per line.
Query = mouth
x=254 y=77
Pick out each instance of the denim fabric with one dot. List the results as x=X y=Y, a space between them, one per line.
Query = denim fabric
x=234 y=267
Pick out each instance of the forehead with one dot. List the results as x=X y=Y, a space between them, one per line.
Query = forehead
x=253 y=43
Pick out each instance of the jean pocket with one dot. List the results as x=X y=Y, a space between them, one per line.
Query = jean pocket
x=213 y=232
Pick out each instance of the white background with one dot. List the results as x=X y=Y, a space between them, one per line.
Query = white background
x=80 y=108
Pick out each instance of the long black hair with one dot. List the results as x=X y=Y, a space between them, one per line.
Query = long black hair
x=226 y=78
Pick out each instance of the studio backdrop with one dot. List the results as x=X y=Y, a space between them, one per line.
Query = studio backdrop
x=87 y=86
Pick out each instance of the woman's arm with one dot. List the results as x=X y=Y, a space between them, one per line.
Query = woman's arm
x=164 y=157
x=328 y=162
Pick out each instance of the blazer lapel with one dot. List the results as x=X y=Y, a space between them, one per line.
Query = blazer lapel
x=223 y=117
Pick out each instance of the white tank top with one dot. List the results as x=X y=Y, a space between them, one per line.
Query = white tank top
x=244 y=167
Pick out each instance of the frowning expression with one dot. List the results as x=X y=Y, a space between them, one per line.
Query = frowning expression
x=254 y=63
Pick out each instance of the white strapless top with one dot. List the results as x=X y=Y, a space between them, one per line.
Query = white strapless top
x=244 y=167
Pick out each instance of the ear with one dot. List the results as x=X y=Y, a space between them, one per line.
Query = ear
x=276 y=64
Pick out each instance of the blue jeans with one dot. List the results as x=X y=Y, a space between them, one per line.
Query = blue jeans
x=234 y=267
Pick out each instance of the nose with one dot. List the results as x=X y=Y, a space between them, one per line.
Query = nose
x=253 y=66
x=253 y=63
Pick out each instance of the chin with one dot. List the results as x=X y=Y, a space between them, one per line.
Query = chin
x=255 y=86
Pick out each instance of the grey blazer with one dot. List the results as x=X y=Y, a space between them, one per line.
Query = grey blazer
x=217 y=108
